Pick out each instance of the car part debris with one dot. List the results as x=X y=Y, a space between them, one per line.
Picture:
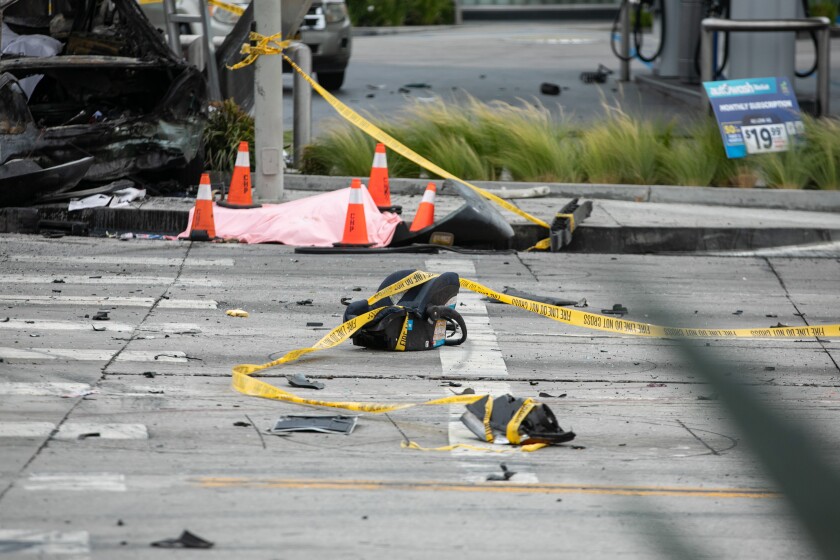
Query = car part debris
x=597 y=77
x=236 y=313
x=40 y=176
x=514 y=420
x=186 y=540
x=617 y=309
x=304 y=302
x=101 y=316
x=314 y=324
x=475 y=223
x=114 y=91
x=300 y=380
x=241 y=424
x=567 y=219
x=513 y=292
x=335 y=424
x=547 y=88
x=507 y=474
x=420 y=320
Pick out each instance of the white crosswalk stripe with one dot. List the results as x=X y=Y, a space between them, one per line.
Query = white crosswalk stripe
x=143 y=261
x=108 y=301
x=68 y=280
x=479 y=356
x=72 y=430
x=39 y=325
x=41 y=544
x=86 y=482
x=12 y=355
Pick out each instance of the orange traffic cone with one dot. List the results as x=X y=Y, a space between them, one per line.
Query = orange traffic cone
x=355 y=227
x=379 y=187
x=203 y=227
x=239 y=193
x=426 y=211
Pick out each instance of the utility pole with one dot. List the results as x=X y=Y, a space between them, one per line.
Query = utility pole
x=268 y=107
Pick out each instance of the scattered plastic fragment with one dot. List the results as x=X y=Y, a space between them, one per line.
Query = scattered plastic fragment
x=655 y=385
x=89 y=435
x=346 y=300
x=304 y=302
x=236 y=313
x=300 y=380
x=617 y=309
x=336 y=424
x=739 y=312
x=242 y=424
x=150 y=374
x=451 y=384
x=186 y=540
x=597 y=77
x=547 y=88
x=101 y=316
x=314 y=324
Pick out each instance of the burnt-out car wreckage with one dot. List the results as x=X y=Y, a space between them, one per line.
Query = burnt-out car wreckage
x=90 y=91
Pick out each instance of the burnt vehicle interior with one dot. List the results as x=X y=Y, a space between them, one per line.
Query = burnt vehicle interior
x=93 y=78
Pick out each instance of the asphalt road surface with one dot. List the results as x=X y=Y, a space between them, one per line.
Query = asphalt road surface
x=508 y=62
x=118 y=433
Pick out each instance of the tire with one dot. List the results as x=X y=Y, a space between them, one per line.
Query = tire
x=331 y=81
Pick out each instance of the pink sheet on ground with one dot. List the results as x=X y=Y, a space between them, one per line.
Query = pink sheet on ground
x=315 y=221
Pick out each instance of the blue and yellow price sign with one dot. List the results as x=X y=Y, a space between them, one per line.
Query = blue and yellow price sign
x=756 y=115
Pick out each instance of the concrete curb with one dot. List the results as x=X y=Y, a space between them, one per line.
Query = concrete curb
x=777 y=199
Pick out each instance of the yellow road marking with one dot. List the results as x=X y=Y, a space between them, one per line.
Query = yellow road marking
x=495 y=487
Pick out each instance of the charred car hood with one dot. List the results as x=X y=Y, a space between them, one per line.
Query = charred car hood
x=113 y=91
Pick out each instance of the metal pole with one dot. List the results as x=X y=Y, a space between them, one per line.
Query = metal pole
x=210 y=54
x=173 y=35
x=707 y=61
x=302 y=119
x=459 y=13
x=268 y=108
x=625 y=42
x=823 y=65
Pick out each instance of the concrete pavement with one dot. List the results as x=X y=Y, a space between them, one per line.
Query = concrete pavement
x=651 y=463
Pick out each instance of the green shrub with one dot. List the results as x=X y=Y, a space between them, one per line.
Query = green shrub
x=227 y=125
x=823 y=153
x=826 y=8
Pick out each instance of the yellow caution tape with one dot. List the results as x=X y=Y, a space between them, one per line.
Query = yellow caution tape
x=375 y=132
x=265 y=45
x=227 y=7
x=570 y=217
x=526 y=448
x=594 y=321
x=244 y=382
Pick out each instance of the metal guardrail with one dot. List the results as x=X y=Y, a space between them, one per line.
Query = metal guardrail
x=818 y=25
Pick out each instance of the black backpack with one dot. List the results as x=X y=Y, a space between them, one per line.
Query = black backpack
x=421 y=320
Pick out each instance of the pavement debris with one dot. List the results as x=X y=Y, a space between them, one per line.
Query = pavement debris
x=241 y=424
x=236 y=313
x=617 y=309
x=507 y=474
x=547 y=88
x=597 y=77
x=186 y=540
x=300 y=380
x=333 y=424
x=314 y=324
x=101 y=316
x=655 y=385
x=304 y=302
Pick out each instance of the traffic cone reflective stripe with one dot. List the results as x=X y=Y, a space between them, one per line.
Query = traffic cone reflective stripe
x=203 y=227
x=379 y=187
x=355 y=227
x=239 y=193
x=426 y=211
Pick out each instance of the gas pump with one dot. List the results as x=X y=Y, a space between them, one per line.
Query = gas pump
x=738 y=55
